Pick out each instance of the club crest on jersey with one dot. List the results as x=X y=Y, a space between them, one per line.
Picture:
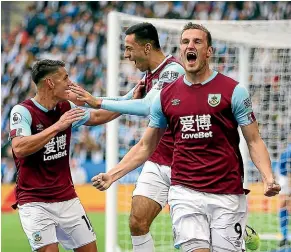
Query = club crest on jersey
x=214 y=99
x=36 y=236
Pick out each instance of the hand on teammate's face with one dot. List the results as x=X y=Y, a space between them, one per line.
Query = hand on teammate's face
x=102 y=181
x=71 y=96
x=139 y=90
x=84 y=96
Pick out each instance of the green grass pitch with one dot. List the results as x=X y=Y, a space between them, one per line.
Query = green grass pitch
x=14 y=239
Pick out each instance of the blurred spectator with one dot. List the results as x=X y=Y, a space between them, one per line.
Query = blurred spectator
x=9 y=173
x=201 y=10
x=52 y=26
x=172 y=14
x=161 y=9
x=97 y=155
x=71 y=56
x=232 y=12
x=89 y=78
x=91 y=47
x=78 y=173
x=79 y=152
x=63 y=39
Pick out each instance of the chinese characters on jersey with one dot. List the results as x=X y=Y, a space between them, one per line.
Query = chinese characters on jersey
x=196 y=126
x=55 y=148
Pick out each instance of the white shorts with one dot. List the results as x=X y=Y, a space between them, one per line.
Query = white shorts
x=154 y=182
x=285 y=183
x=217 y=220
x=65 y=222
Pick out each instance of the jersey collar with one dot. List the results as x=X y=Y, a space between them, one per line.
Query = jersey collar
x=188 y=83
x=169 y=56
x=42 y=108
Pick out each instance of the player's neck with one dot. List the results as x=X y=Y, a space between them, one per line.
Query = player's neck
x=156 y=59
x=199 y=77
x=45 y=100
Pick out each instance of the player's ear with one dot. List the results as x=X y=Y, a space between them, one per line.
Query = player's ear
x=49 y=83
x=147 y=48
x=209 y=51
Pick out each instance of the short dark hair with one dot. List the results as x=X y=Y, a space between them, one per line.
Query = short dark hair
x=45 y=67
x=145 y=33
x=191 y=25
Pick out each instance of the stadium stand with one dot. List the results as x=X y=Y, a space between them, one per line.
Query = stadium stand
x=76 y=33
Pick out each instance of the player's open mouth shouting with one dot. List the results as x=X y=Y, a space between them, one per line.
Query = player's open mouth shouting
x=191 y=57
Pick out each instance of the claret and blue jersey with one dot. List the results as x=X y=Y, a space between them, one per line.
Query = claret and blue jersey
x=203 y=119
x=43 y=176
x=165 y=74
x=240 y=104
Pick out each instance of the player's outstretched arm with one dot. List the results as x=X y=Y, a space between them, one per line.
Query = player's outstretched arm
x=80 y=95
x=140 y=152
x=140 y=107
x=132 y=160
x=261 y=158
x=98 y=117
x=26 y=145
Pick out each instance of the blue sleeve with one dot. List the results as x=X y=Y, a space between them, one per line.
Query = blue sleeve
x=283 y=164
x=140 y=107
x=242 y=106
x=157 y=117
x=83 y=120
x=20 y=122
x=170 y=73
x=128 y=96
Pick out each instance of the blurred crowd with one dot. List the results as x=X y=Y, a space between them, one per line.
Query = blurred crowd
x=75 y=32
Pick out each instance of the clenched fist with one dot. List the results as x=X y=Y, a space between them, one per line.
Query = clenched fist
x=102 y=181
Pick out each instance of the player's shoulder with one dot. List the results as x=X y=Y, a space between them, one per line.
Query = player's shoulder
x=173 y=66
x=29 y=105
x=22 y=107
x=173 y=86
x=226 y=80
x=173 y=59
x=171 y=72
x=65 y=105
x=18 y=113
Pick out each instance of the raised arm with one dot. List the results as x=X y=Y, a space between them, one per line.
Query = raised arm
x=243 y=112
x=79 y=95
x=98 y=117
x=119 y=106
x=140 y=152
x=140 y=107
